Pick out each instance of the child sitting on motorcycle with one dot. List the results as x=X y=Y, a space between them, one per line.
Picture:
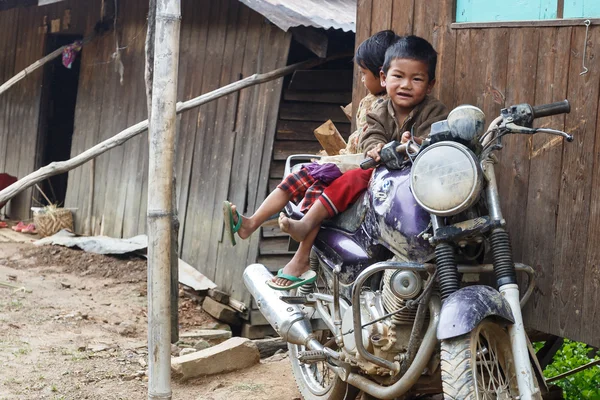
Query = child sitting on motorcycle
x=408 y=75
x=306 y=185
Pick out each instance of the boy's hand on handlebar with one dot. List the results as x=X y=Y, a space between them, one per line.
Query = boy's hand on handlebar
x=374 y=152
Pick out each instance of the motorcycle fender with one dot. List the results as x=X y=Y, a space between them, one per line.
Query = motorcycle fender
x=463 y=310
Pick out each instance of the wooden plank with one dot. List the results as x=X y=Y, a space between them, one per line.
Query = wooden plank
x=311 y=112
x=273 y=263
x=444 y=41
x=591 y=293
x=381 y=16
x=322 y=80
x=272 y=231
x=340 y=98
x=274 y=246
x=276 y=169
x=197 y=26
x=513 y=169
x=363 y=31
x=545 y=175
x=217 y=34
x=133 y=175
x=220 y=167
x=304 y=130
x=282 y=150
x=402 y=16
x=574 y=205
x=313 y=39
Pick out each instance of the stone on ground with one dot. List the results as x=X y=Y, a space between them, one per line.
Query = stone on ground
x=207 y=334
x=231 y=355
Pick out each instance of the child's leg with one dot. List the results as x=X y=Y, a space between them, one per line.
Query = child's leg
x=292 y=187
x=299 y=230
x=299 y=264
x=274 y=202
x=335 y=199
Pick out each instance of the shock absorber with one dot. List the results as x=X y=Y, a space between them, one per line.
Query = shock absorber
x=314 y=265
x=447 y=269
x=504 y=267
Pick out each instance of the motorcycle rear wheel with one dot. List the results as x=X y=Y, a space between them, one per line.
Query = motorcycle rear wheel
x=479 y=365
x=317 y=381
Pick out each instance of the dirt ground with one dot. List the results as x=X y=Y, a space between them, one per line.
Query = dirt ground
x=78 y=330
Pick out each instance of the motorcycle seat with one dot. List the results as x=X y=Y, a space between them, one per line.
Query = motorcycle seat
x=351 y=219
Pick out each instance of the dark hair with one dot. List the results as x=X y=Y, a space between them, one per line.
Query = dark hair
x=371 y=53
x=414 y=48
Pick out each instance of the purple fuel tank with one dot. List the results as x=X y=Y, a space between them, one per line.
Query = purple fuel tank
x=386 y=219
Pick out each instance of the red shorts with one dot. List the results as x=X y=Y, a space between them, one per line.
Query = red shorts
x=344 y=191
x=303 y=188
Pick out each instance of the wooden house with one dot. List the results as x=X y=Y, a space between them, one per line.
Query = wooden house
x=528 y=52
x=234 y=148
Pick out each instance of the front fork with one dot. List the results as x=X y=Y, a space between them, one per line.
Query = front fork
x=504 y=270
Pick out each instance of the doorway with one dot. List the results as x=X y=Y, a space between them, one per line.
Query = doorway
x=57 y=116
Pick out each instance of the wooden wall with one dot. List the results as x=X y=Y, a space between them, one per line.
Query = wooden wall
x=22 y=42
x=224 y=147
x=310 y=98
x=550 y=189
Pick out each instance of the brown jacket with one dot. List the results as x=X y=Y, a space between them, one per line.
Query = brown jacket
x=383 y=127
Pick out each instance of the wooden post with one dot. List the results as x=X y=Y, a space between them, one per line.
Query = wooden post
x=161 y=137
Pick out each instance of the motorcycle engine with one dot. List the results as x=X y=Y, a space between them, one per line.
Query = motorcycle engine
x=389 y=337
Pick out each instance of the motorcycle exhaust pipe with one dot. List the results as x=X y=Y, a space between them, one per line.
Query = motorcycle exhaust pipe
x=288 y=320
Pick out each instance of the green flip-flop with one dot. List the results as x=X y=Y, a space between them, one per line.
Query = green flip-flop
x=230 y=226
x=304 y=279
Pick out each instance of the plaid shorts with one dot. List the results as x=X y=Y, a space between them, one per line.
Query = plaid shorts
x=303 y=188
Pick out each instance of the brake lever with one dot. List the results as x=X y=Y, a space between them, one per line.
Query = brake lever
x=514 y=128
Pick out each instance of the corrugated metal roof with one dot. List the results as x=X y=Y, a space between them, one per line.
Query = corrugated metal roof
x=336 y=14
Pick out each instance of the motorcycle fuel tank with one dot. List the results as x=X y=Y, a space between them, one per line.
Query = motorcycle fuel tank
x=396 y=217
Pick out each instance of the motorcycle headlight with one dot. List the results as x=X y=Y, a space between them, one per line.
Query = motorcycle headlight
x=446 y=178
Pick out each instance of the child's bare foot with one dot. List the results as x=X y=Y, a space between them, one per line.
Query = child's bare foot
x=247 y=227
x=294 y=268
x=296 y=229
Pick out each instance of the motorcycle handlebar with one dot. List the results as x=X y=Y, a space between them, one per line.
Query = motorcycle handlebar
x=401 y=149
x=368 y=163
x=546 y=110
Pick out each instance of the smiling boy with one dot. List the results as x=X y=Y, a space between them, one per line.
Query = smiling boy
x=408 y=75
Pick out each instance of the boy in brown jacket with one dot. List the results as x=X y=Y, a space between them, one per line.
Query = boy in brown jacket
x=408 y=75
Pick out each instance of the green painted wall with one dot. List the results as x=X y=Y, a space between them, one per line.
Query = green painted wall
x=582 y=9
x=508 y=10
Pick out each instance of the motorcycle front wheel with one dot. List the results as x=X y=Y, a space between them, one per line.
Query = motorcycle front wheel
x=479 y=365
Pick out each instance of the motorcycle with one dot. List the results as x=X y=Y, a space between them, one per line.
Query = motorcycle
x=399 y=309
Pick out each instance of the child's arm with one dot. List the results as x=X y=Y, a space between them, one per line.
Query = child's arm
x=437 y=112
x=375 y=137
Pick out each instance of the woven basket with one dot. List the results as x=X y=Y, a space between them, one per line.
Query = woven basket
x=53 y=220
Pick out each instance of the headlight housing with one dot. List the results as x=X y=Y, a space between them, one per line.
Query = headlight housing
x=446 y=178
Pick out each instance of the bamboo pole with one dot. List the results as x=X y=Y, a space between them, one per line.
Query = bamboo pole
x=59 y=167
x=6 y=85
x=160 y=203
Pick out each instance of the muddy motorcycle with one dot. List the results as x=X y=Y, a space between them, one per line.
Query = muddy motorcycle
x=399 y=310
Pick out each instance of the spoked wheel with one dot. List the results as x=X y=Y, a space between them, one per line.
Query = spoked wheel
x=479 y=365
x=316 y=381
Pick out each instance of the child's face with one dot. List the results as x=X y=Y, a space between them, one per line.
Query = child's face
x=370 y=81
x=407 y=83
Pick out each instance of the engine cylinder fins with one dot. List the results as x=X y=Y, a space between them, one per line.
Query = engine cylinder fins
x=392 y=302
x=448 y=278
